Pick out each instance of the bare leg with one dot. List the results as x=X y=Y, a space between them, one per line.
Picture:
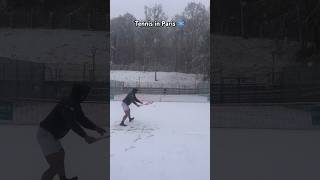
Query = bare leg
x=62 y=169
x=56 y=163
x=48 y=174
x=127 y=114
x=124 y=118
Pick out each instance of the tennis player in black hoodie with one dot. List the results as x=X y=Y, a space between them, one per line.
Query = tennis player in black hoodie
x=130 y=98
x=67 y=115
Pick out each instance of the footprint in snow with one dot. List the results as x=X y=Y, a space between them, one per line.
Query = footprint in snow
x=131 y=147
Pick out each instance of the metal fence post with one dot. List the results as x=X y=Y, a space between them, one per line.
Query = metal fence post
x=89 y=21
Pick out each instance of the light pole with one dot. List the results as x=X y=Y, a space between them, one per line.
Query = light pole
x=156 y=55
x=242 y=5
x=93 y=53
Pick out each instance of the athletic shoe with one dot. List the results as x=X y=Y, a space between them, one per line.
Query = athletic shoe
x=122 y=124
x=131 y=119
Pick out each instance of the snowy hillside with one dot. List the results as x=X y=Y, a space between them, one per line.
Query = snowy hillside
x=53 y=46
x=164 y=79
x=236 y=56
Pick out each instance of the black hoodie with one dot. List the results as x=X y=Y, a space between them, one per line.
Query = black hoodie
x=67 y=115
x=131 y=98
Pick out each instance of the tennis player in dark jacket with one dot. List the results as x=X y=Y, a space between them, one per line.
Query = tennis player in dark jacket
x=130 y=98
x=67 y=115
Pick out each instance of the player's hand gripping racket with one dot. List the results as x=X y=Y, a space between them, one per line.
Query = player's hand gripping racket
x=147 y=102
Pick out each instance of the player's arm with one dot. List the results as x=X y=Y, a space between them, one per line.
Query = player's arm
x=133 y=99
x=134 y=102
x=77 y=129
x=67 y=113
x=136 y=99
x=85 y=122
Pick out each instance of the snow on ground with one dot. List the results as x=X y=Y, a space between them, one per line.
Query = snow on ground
x=256 y=154
x=165 y=79
x=166 y=140
x=21 y=157
x=53 y=46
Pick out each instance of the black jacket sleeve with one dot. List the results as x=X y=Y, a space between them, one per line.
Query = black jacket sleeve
x=136 y=99
x=69 y=114
x=135 y=103
x=83 y=120
x=77 y=129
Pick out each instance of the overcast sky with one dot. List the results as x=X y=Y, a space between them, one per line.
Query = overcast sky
x=136 y=7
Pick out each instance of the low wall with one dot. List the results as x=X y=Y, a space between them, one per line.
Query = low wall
x=166 y=98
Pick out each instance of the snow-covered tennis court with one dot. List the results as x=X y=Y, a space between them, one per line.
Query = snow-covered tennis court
x=265 y=154
x=251 y=154
x=167 y=140
x=21 y=157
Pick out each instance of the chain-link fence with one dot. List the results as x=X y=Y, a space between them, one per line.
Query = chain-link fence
x=22 y=90
x=260 y=93
x=11 y=69
x=177 y=85
x=76 y=72
x=24 y=79
x=120 y=88
x=18 y=70
x=143 y=68
x=161 y=68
